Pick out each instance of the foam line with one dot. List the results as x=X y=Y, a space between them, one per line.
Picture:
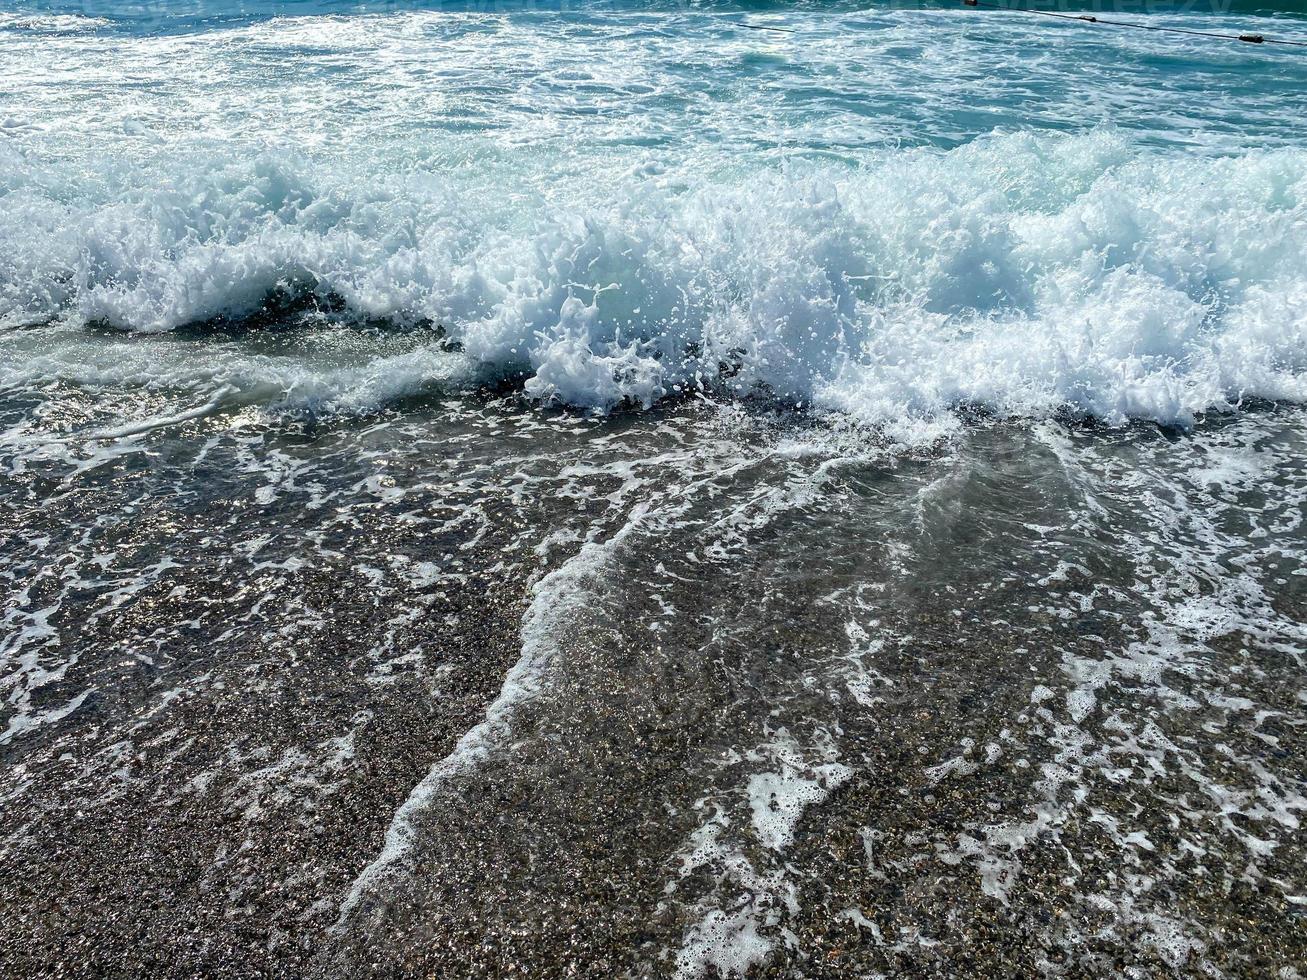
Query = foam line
x=558 y=599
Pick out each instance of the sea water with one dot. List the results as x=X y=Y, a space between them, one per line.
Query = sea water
x=605 y=487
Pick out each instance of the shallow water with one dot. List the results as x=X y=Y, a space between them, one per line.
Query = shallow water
x=608 y=490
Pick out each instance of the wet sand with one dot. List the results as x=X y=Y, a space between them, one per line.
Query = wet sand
x=803 y=709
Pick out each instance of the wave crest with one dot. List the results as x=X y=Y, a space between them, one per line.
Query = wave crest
x=1019 y=273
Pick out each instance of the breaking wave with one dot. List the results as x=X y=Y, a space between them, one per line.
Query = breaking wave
x=1020 y=274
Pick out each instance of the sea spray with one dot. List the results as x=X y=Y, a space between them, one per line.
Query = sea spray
x=1020 y=274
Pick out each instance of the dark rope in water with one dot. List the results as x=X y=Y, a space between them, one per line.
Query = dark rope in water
x=1088 y=19
x=764 y=27
x=1092 y=19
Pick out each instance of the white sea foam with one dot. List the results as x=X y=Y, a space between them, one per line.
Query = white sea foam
x=51 y=23
x=1022 y=274
x=778 y=798
x=738 y=921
